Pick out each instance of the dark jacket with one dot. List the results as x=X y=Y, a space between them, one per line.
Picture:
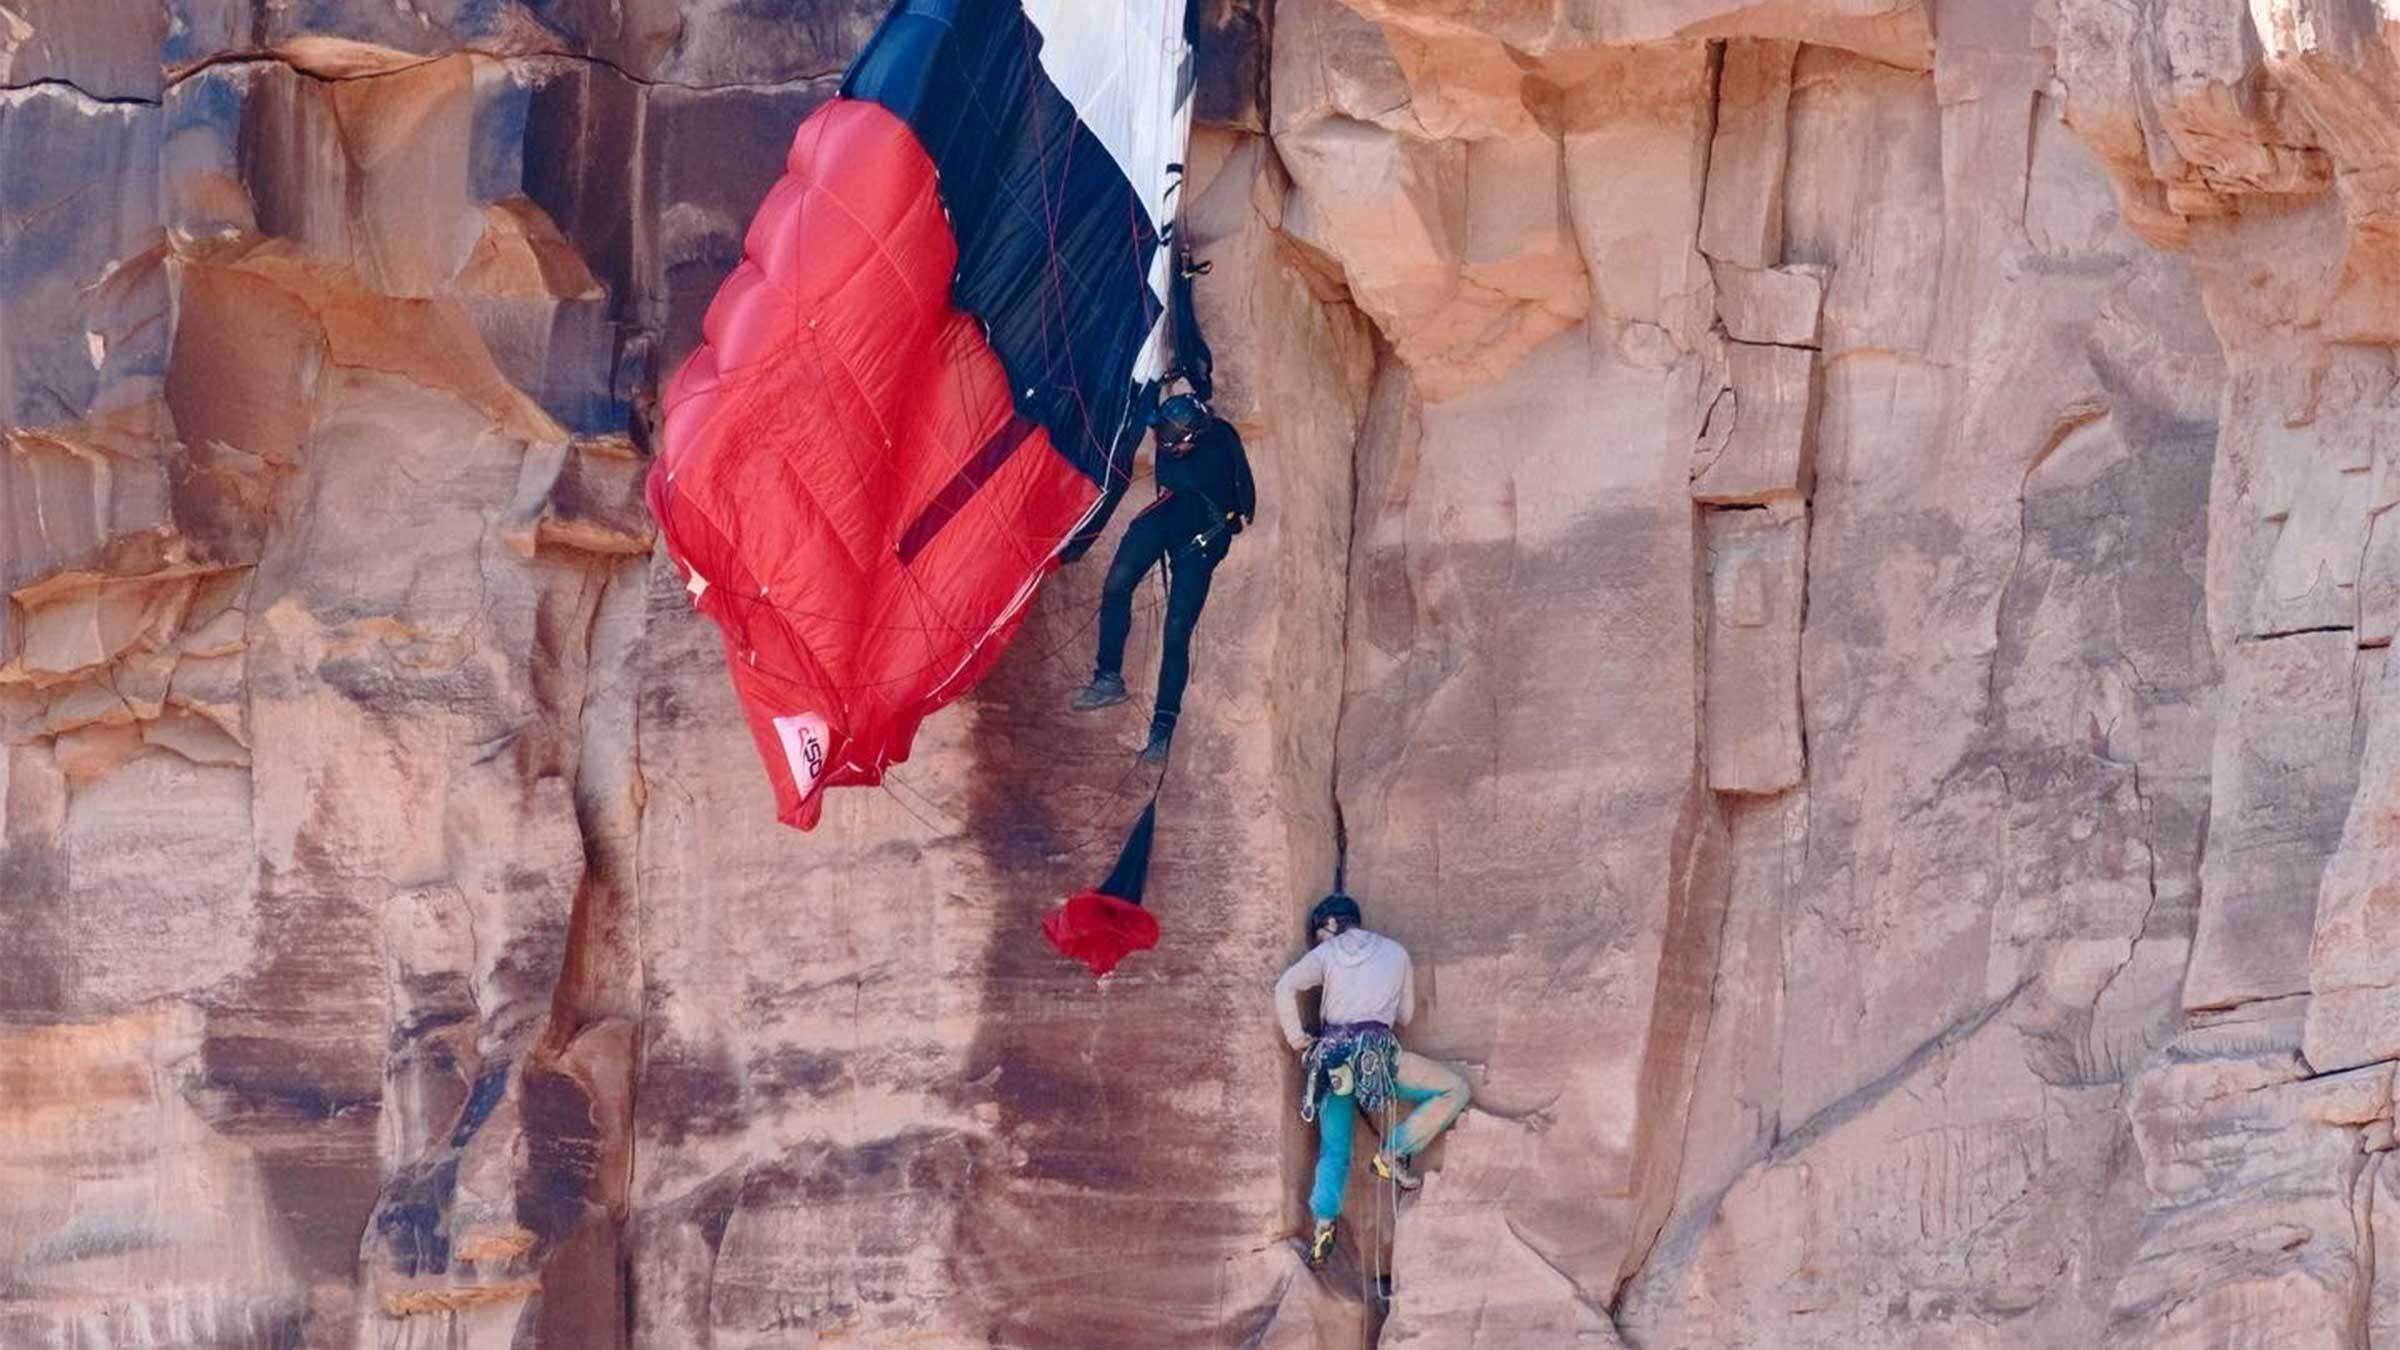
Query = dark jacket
x=1211 y=484
x=1209 y=487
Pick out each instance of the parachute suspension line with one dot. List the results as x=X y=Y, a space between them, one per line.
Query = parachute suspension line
x=930 y=614
x=918 y=601
x=1053 y=305
x=1055 y=308
x=1146 y=607
x=1049 y=178
x=885 y=782
x=812 y=342
x=1371 y=1247
x=1386 y=1193
x=803 y=426
x=1098 y=832
x=1053 y=302
x=1023 y=540
x=1389 y=1189
x=764 y=600
x=973 y=91
x=964 y=411
x=895 y=780
x=1120 y=443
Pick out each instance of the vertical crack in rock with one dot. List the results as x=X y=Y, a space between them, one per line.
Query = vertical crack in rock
x=600 y=973
x=1714 y=102
x=2141 y=932
x=2364 y=619
x=1701 y=884
x=2362 y=1210
x=1341 y=702
x=436 y=829
x=2071 y=419
x=1700 y=907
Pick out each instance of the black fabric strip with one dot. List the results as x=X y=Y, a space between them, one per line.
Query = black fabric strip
x=963 y=485
x=1054 y=244
x=1125 y=880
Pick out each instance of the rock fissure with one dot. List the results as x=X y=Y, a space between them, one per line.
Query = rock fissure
x=1859 y=1100
x=2141 y=930
x=85 y=95
x=1783 y=346
x=2275 y=634
x=402 y=63
x=1946 y=227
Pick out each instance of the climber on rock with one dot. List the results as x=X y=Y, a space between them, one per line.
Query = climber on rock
x=1205 y=496
x=1354 y=1063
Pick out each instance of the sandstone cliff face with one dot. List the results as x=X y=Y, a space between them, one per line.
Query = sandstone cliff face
x=1821 y=564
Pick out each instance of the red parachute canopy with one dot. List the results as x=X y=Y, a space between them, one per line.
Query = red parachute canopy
x=842 y=412
x=1107 y=923
x=934 y=356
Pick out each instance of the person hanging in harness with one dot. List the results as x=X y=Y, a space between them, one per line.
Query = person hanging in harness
x=1205 y=496
x=1354 y=1063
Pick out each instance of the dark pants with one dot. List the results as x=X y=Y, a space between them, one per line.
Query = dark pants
x=1189 y=567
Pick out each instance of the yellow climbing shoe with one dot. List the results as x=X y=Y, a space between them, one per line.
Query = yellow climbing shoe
x=1321 y=1246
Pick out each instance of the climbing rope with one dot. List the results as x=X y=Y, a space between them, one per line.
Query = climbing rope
x=1372 y=1295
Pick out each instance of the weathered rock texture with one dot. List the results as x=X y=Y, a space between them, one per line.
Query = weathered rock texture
x=1822 y=563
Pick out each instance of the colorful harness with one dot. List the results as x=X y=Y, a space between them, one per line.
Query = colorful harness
x=1358 y=1060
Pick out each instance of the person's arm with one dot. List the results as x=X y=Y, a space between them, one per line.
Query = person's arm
x=1408 y=988
x=1223 y=472
x=1306 y=973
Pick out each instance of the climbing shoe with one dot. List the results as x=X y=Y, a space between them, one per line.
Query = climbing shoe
x=1154 y=755
x=1394 y=1169
x=1320 y=1246
x=1105 y=691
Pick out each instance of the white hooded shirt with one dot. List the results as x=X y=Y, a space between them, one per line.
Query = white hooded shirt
x=1366 y=976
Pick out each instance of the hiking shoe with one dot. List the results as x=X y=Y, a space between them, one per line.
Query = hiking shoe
x=1105 y=691
x=1394 y=1168
x=1154 y=755
x=1320 y=1246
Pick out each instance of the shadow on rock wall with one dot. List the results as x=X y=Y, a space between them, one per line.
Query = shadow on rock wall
x=1825 y=565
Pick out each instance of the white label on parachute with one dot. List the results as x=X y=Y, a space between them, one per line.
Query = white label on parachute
x=698 y=586
x=803 y=737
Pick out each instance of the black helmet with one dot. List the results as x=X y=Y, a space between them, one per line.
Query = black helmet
x=1334 y=906
x=1180 y=416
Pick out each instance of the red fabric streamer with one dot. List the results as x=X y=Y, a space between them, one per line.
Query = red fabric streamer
x=1100 y=930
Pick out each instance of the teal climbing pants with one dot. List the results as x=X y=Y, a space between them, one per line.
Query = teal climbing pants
x=1438 y=1095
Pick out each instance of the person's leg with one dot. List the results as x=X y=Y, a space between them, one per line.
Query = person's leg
x=1137 y=553
x=1336 y=1119
x=1187 y=593
x=1439 y=1093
